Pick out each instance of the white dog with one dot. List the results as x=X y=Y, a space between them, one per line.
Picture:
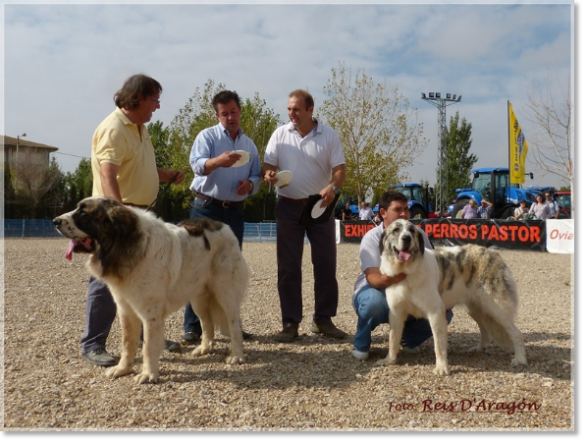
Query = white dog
x=153 y=268
x=473 y=276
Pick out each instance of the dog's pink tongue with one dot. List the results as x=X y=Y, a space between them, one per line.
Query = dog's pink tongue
x=403 y=256
x=69 y=252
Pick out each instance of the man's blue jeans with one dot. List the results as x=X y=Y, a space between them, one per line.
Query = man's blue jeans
x=99 y=316
x=233 y=218
x=372 y=309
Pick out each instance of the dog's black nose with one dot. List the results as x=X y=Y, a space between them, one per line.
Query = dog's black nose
x=56 y=222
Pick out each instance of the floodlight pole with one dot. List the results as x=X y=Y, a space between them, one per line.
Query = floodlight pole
x=441 y=190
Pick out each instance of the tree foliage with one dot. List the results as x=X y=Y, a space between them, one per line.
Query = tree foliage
x=77 y=185
x=379 y=130
x=459 y=160
x=196 y=115
x=34 y=190
x=170 y=199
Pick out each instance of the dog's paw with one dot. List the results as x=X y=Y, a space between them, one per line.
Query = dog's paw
x=146 y=378
x=441 y=370
x=233 y=360
x=201 y=350
x=117 y=371
x=387 y=361
x=519 y=360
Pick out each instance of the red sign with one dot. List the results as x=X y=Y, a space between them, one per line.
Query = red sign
x=526 y=235
x=354 y=231
x=514 y=235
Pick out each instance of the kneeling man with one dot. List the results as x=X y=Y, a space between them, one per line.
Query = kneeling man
x=369 y=298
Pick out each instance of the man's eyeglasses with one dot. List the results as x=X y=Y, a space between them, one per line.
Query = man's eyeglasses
x=157 y=101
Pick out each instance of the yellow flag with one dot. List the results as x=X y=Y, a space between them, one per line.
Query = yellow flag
x=518 y=148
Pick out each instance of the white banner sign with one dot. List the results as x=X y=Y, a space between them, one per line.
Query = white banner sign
x=560 y=235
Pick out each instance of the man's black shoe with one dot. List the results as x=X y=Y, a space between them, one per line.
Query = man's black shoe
x=99 y=357
x=288 y=334
x=190 y=338
x=172 y=346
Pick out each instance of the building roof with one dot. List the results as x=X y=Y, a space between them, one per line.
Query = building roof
x=6 y=141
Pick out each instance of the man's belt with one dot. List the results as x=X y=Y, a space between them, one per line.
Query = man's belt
x=292 y=200
x=224 y=204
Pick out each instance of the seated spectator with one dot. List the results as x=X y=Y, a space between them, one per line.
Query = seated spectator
x=521 y=213
x=347 y=214
x=470 y=210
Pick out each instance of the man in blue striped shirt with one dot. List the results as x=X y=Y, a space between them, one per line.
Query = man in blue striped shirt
x=222 y=180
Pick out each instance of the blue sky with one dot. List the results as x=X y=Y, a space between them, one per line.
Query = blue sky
x=63 y=63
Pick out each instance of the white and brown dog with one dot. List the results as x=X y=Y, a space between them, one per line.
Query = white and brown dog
x=437 y=280
x=153 y=268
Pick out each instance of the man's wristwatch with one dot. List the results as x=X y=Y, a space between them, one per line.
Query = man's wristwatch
x=335 y=189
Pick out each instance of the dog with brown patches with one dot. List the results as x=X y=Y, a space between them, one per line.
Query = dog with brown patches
x=153 y=268
x=437 y=280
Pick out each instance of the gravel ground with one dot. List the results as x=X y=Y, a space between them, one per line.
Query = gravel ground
x=312 y=384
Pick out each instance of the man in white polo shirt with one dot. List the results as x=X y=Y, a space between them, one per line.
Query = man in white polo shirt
x=313 y=153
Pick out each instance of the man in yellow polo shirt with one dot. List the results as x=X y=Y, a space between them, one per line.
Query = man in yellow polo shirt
x=124 y=168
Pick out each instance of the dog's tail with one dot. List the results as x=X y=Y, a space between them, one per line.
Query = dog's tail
x=218 y=317
x=498 y=333
x=499 y=313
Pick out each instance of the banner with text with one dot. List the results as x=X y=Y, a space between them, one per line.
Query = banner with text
x=354 y=231
x=513 y=235
x=518 y=148
x=560 y=235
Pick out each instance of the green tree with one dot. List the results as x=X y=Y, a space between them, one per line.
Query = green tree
x=459 y=160
x=258 y=123
x=77 y=185
x=170 y=202
x=160 y=137
x=10 y=209
x=196 y=115
x=379 y=130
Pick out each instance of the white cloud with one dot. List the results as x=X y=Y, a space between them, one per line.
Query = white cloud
x=63 y=63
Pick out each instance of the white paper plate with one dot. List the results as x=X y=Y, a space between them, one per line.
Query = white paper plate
x=317 y=209
x=244 y=158
x=284 y=177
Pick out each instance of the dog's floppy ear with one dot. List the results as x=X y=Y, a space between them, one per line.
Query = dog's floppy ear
x=124 y=221
x=382 y=239
x=420 y=239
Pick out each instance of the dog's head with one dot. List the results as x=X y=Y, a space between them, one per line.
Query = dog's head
x=98 y=226
x=402 y=241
